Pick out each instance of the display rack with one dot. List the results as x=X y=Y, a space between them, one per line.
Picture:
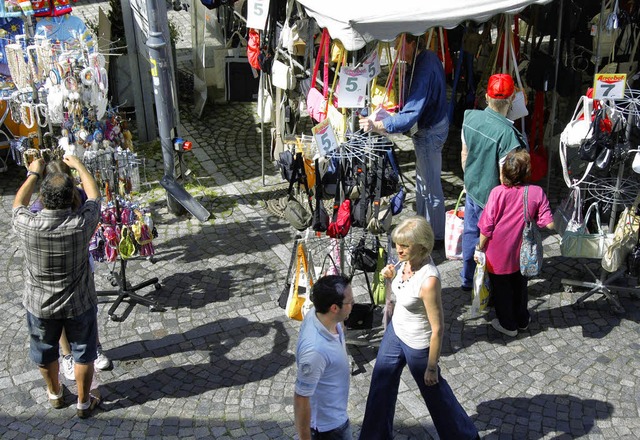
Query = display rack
x=125 y=290
x=612 y=192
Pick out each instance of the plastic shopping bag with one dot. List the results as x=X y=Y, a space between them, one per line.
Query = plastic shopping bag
x=481 y=291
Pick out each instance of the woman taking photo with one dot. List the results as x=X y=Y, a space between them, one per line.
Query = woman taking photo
x=501 y=226
x=414 y=338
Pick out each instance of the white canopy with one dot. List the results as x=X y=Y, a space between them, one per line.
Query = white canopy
x=356 y=22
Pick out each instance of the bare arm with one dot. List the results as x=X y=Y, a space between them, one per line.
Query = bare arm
x=463 y=156
x=23 y=196
x=302 y=416
x=482 y=242
x=550 y=226
x=431 y=295
x=88 y=182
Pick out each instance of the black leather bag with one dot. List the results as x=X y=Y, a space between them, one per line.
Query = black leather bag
x=361 y=317
x=633 y=261
x=364 y=258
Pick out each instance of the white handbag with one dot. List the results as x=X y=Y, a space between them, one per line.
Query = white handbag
x=579 y=127
x=282 y=75
x=582 y=244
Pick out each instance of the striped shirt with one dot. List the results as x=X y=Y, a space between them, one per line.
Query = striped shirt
x=58 y=281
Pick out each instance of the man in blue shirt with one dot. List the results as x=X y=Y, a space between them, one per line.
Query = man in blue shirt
x=426 y=106
x=322 y=382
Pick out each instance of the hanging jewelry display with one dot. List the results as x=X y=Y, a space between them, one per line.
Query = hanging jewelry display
x=18 y=66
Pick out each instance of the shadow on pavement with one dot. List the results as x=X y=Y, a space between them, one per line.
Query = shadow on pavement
x=569 y=416
x=238 y=350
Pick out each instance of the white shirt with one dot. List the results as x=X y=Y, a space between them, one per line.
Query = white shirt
x=410 y=316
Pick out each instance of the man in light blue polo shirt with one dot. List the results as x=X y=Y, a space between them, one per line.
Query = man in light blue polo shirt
x=322 y=383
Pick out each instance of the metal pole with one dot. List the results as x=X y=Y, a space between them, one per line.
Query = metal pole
x=165 y=99
x=554 y=102
x=161 y=75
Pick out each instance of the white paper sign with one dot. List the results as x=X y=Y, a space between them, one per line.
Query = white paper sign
x=257 y=11
x=372 y=65
x=325 y=137
x=352 y=87
x=609 y=85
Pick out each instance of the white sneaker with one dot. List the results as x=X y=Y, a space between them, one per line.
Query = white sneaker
x=102 y=362
x=67 y=367
x=495 y=323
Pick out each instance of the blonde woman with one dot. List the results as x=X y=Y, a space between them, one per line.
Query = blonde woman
x=414 y=338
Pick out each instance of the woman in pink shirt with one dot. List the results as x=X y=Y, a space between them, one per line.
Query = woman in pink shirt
x=501 y=226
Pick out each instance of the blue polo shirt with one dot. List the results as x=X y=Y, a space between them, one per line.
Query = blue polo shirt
x=323 y=373
x=426 y=102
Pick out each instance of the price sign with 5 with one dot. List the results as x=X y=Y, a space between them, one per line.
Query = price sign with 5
x=372 y=65
x=352 y=87
x=257 y=11
x=325 y=137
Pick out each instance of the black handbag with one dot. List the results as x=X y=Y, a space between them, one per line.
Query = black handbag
x=364 y=258
x=320 y=221
x=633 y=261
x=361 y=317
x=591 y=147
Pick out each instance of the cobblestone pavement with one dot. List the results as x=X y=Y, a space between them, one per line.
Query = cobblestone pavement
x=219 y=363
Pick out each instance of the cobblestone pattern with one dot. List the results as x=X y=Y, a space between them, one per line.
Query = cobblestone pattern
x=218 y=363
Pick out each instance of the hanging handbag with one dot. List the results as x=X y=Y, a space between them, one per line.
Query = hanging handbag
x=531 y=247
x=581 y=243
x=301 y=286
x=454 y=227
x=341 y=222
x=284 y=294
x=317 y=101
x=364 y=258
x=396 y=202
x=625 y=237
x=282 y=75
x=633 y=261
x=320 y=220
x=379 y=281
x=568 y=216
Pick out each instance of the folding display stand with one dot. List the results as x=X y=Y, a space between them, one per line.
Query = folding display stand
x=613 y=192
x=125 y=290
x=622 y=192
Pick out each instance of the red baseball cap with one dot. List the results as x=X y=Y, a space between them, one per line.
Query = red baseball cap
x=500 y=86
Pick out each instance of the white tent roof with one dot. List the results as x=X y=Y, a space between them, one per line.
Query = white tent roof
x=356 y=22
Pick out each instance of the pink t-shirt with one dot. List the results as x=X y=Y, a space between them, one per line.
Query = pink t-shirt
x=502 y=220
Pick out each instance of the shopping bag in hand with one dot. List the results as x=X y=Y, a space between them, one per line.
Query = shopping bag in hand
x=480 y=291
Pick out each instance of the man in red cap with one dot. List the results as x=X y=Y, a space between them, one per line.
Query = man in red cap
x=487 y=135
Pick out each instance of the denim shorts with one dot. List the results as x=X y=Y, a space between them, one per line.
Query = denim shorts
x=82 y=333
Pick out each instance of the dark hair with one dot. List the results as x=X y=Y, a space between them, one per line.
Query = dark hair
x=57 y=191
x=327 y=291
x=516 y=168
x=57 y=166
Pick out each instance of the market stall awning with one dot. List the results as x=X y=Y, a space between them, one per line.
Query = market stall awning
x=356 y=22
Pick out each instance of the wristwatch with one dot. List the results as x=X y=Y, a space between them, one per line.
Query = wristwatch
x=34 y=173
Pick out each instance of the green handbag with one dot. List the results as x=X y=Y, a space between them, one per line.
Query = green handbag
x=379 y=286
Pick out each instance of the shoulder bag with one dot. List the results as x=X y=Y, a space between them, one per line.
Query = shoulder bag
x=531 y=247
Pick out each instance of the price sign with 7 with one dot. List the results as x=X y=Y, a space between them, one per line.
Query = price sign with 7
x=372 y=65
x=257 y=11
x=609 y=85
x=352 y=87
x=325 y=137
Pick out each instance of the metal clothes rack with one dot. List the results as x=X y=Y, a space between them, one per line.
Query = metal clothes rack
x=614 y=192
x=125 y=290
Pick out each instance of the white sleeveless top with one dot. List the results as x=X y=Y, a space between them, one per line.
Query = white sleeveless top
x=409 y=315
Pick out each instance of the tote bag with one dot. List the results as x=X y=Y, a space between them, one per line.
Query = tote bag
x=454 y=226
x=581 y=243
